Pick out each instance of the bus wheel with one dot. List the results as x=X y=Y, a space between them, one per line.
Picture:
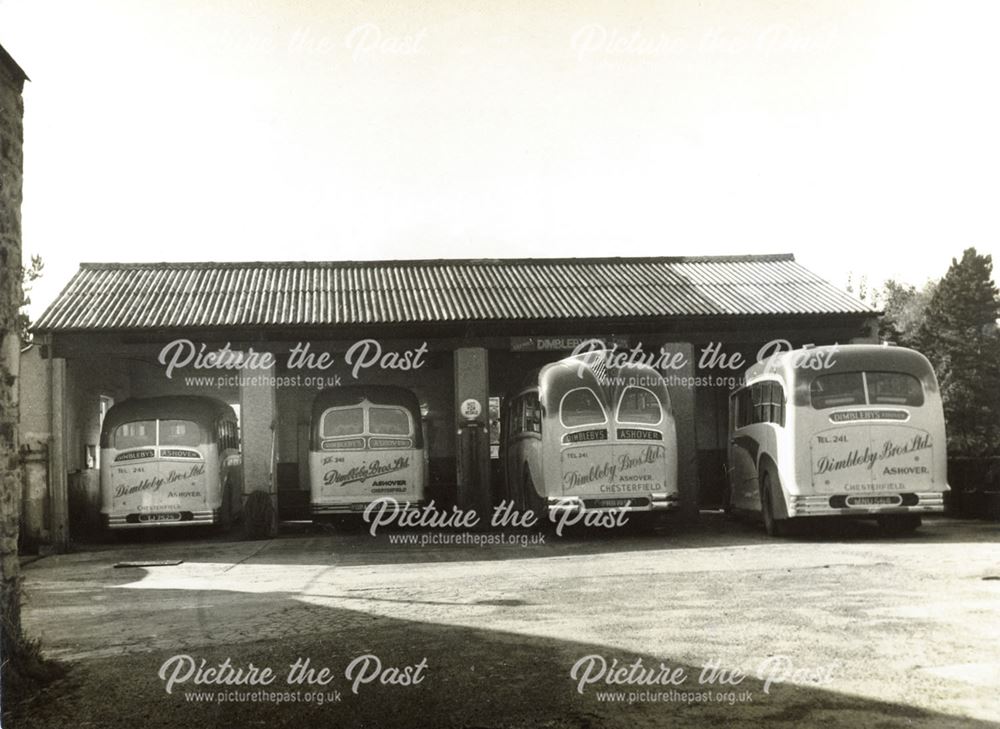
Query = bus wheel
x=899 y=523
x=531 y=500
x=774 y=526
x=727 y=500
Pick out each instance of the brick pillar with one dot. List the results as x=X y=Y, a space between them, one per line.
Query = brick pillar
x=58 y=481
x=473 y=468
x=257 y=423
x=682 y=399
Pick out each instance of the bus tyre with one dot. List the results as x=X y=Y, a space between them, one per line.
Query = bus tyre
x=727 y=500
x=774 y=526
x=532 y=501
x=899 y=523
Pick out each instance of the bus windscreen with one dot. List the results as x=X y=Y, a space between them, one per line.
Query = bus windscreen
x=837 y=390
x=894 y=388
x=850 y=388
x=179 y=433
x=581 y=407
x=639 y=405
x=135 y=435
x=343 y=421
x=388 y=421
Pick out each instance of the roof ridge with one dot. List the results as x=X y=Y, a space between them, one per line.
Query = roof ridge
x=745 y=258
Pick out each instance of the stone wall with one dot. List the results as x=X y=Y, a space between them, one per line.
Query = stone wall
x=34 y=436
x=11 y=138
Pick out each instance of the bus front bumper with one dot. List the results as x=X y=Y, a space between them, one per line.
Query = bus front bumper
x=358 y=507
x=169 y=519
x=652 y=502
x=861 y=505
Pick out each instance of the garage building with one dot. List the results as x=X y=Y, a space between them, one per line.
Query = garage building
x=481 y=324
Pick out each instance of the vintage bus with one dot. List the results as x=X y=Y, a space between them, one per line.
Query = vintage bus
x=583 y=436
x=366 y=443
x=170 y=461
x=848 y=431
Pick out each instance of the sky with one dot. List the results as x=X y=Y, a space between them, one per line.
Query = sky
x=860 y=136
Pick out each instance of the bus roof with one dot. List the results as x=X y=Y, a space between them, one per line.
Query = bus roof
x=597 y=362
x=197 y=408
x=593 y=370
x=376 y=394
x=808 y=362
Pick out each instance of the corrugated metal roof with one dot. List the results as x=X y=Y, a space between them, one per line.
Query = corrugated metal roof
x=138 y=296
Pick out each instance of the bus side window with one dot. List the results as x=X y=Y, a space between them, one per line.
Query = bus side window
x=532 y=413
x=744 y=408
x=517 y=415
x=778 y=404
x=771 y=401
x=757 y=392
x=234 y=441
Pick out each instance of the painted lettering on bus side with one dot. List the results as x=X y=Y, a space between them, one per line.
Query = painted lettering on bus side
x=611 y=470
x=364 y=472
x=597 y=472
x=869 y=457
x=154 y=483
x=649 y=455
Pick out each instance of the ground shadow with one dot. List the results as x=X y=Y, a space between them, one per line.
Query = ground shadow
x=474 y=677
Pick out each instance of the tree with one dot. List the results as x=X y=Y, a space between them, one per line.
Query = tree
x=905 y=310
x=959 y=335
x=862 y=290
x=29 y=274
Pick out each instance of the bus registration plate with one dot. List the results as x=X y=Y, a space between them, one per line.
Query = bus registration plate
x=873 y=500
x=171 y=516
